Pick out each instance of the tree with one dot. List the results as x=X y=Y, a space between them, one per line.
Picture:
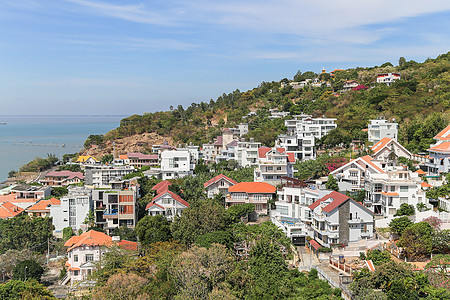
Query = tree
x=223 y=237
x=235 y=212
x=59 y=191
x=378 y=257
x=19 y=290
x=152 y=229
x=398 y=225
x=28 y=269
x=405 y=210
x=204 y=217
x=122 y=286
x=401 y=62
x=67 y=233
x=107 y=158
x=125 y=233
x=332 y=183
x=417 y=240
x=12 y=174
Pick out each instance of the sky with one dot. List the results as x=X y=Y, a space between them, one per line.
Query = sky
x=131 y=57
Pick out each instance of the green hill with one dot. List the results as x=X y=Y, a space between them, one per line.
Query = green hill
x=420 y=102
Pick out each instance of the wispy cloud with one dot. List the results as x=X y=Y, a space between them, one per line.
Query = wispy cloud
x=133 y=12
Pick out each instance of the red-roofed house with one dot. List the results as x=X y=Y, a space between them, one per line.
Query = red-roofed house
x=336 y=218
x=386 y=147
x=388 y=78
x=42 y=208
x=218 y=184
x=168 y=204
x=162 y=186
x=274 y=163
x=439 y=161
x=62 y=178
x=257 y=193
x=86 y=249
x=8 y=210
x=139 y=160
x=351 y=176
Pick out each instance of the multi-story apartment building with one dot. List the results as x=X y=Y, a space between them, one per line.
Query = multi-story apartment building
x=381 y=128
x=176 y=163
x=117 y=206
x=301 y=134
x=218 y=184
x=336 y=218
x=240 y=129
x=257 y=193
x=72 y=209
x=292 y=213
x=273 y=163
x=101 y=176
x=385 y=192
x=246 y=153
x=211 y=150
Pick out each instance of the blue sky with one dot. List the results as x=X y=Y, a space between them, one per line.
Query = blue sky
x=126 y=57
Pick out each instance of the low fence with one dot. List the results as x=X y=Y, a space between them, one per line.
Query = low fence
x=341 y=266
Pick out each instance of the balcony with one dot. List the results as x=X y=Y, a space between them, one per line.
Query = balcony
x=111 y=214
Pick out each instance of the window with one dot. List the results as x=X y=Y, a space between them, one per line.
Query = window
x=75 y=258
x=258 y=207
x=257 y=197
x=353 y=174
x=350 y=216
x=278 y=168
x=89 y=257
x=403 y=200
x=364 y=228
x=269 y=168
x=283 y=210
x=392 y=188
x=75 y=273
x=403 y=188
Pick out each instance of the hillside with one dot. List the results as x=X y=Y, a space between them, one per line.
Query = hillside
x=420 y=102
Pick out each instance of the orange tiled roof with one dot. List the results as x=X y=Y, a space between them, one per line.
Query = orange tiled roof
x=162 y=186
x=217 y=178
x=368 y=159
x=381 y=143
x=420 y=172
x=253 y=188
x=425 y=185
x=89 y=238
x=9 y=210
x=444 y=147
x=44 y=204
x=128 y=245
x=389 y=194
x=123 y=156
x=444 y=135
x=262 y=151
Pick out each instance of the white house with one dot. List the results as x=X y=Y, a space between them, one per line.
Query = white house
x=101 y=176
x=168 y=204
x=246 y=153
x=72 y=209
x=352 y=175
x=388 y=78
x=176 y=164
x=292 y=214
x=388 y=151
x=273 y=164
x=381 y=128
x=85 y=250
x=439 y=161
x=338 y=219
x=387 y=191
x=257 y=193
x=218 y=184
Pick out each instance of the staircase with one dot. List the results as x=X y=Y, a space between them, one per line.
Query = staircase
x=65 y=279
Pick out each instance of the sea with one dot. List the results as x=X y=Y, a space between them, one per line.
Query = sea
x=23 y=138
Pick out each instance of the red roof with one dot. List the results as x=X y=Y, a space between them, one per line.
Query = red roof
x=444 y=135
x=262 y=151
x=162 y=186
x=425 y=185
x=65 y=173
x=174 y=196
x=421 y=172
x=9 y=210
x=45 y=204
x=444 y=147
x=291 y=157
x=153 y=204
x=253 y=188
x=217 y=178
x=219 y=141
x=368 y=159
x=389 y=194
x=338 y=199
x=381 y=143
x=370 y=265
x=314 y=244
x=89 y=238
x=128 y=245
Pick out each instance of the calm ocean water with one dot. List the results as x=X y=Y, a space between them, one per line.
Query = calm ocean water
x=25 y=137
